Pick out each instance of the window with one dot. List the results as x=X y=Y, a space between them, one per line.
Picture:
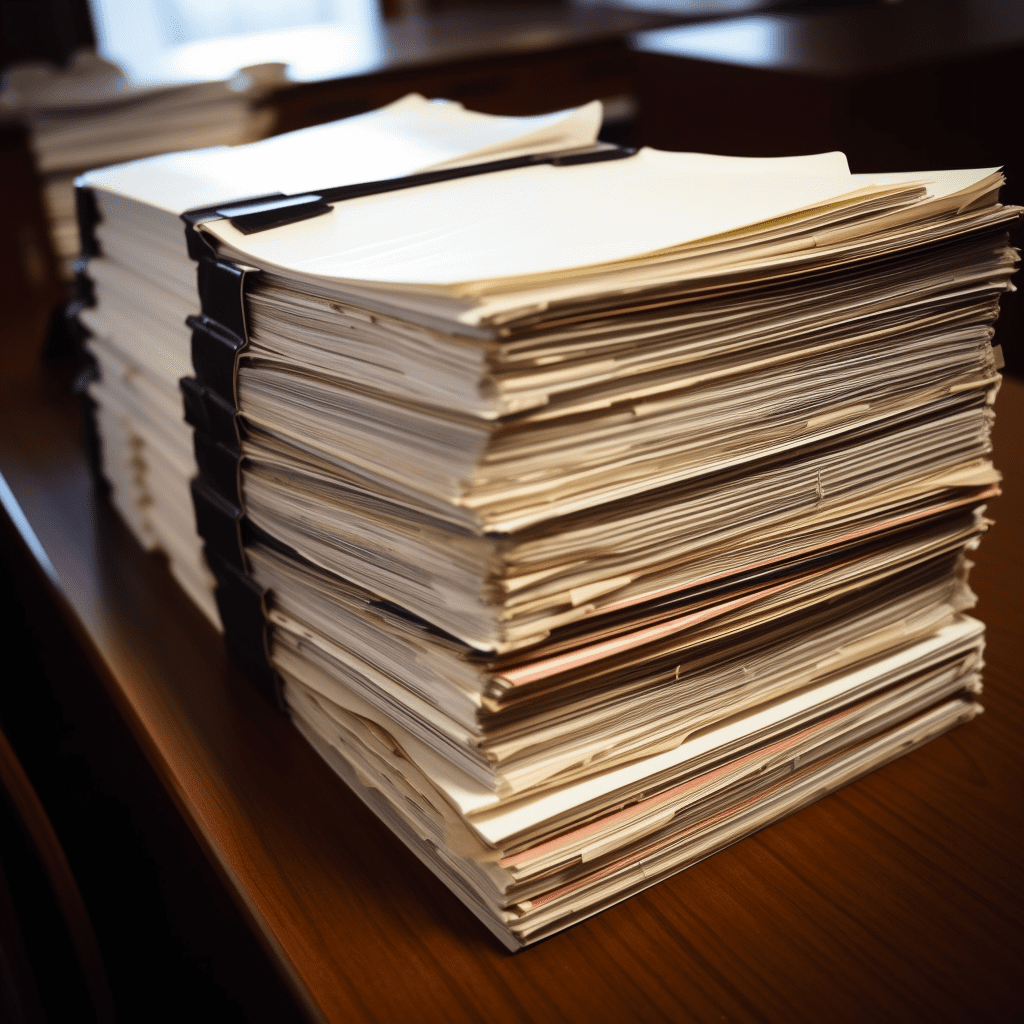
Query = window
x=171 y=39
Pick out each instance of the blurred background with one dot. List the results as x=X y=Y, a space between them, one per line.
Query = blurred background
x=911 y=85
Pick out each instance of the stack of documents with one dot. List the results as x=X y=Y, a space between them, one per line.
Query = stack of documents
x=91 y=115
x=600 y=509
x=144 y=280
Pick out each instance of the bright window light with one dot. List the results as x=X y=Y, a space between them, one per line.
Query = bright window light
x=170 y=40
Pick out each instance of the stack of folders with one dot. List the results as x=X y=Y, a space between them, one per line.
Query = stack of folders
x=588 y=511
x=90 y=115
x=142 y=279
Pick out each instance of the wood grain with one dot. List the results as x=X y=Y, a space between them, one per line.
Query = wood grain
x=896 y=899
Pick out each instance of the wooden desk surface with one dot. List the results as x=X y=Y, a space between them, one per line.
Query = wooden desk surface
x=856 y=40
x=898 y=898
x=473 y=33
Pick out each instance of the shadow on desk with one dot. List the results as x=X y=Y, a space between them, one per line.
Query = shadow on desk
x=171 y=939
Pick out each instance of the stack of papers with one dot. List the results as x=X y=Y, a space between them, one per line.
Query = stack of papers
x=145 y=282
x=91 y=115
x=601 y=511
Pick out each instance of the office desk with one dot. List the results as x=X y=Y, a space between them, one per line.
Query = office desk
x=898 y=898
x=499 y=60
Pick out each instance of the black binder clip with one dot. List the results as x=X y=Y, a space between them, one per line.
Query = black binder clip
x=218 y=522
x=218 y=466
x=88 y=215
x=221 y=286
x=208 y=413
x=260 y=213
x=214 y=352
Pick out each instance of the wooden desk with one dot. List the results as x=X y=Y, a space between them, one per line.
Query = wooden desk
x=898 y=898
x=499 y=60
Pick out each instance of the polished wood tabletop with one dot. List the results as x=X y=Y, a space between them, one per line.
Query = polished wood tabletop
x=898 y=898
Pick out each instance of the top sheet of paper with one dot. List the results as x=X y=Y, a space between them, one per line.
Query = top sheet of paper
x=410 y=135
x=542 y=219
